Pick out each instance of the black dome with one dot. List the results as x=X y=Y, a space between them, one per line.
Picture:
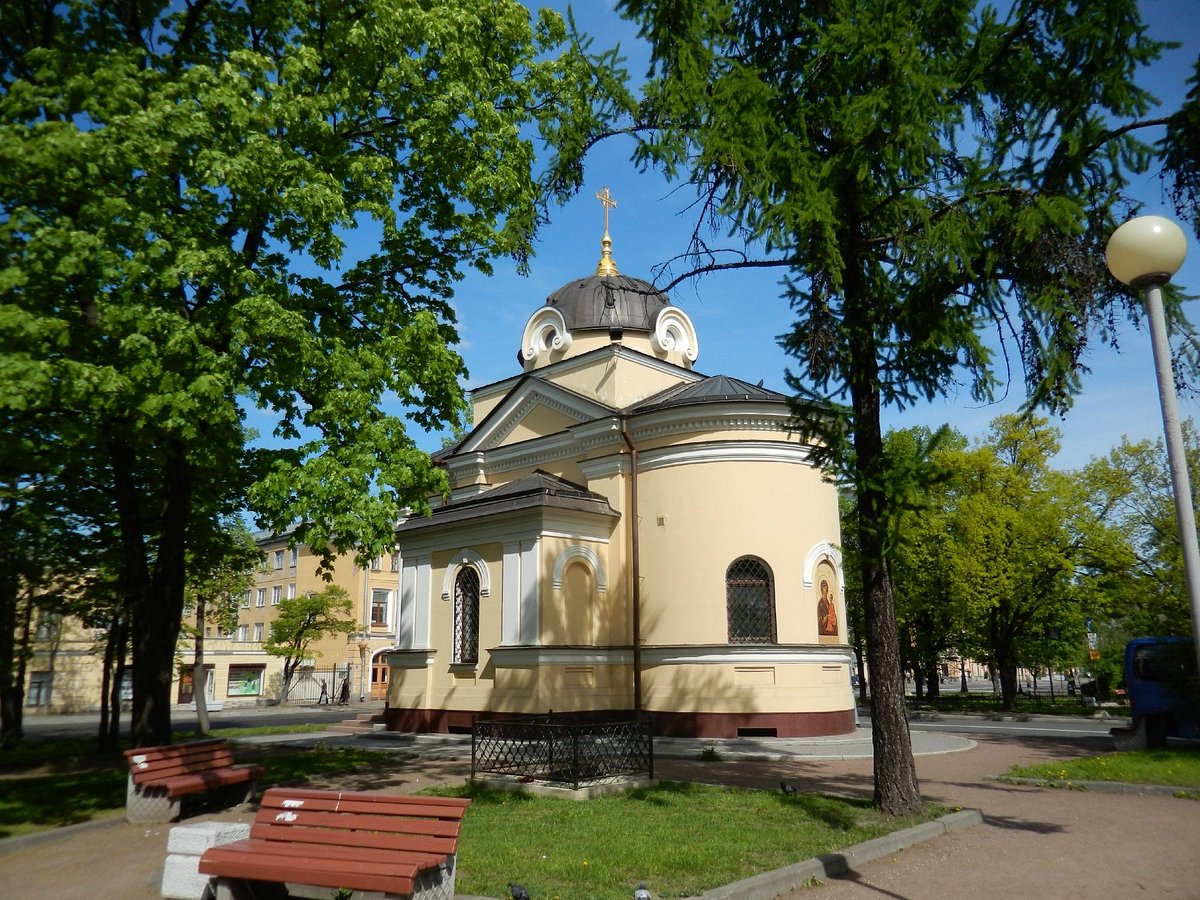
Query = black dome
x=608 y=301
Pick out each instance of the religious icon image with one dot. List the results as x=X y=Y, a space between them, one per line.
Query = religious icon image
x=827 y=619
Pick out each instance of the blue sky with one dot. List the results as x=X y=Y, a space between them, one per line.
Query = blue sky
x=739 y=315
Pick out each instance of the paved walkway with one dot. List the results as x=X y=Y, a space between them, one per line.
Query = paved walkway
x=1033 y=842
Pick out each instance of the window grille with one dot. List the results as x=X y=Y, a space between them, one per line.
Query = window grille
x=750 y=602
x=466 y=616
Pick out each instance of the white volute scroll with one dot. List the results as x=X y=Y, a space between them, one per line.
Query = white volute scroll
x=675 y=333
x=545 y=332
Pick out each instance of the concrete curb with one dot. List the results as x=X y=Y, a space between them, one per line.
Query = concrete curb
x=769 y=885
x=1103 y=787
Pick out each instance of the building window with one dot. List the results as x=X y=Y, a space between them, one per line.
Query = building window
x=246 y=600
x=295 y=556
x=276 y=594
x=377 y=564
x=277 y=559
x=47 y=626
x=243 y=633
x=291 y=595
x=245 y=681
x=466 y=616
x=750 y=602
x=261 y=599
x=258 y=631
x=380 y=601
x=395 y=562
x=39 y=689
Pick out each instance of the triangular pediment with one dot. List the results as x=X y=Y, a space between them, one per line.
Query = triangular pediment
x=533 y=408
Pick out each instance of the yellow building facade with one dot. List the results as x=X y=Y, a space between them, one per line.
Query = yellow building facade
x=624 y=536
x=241 y=674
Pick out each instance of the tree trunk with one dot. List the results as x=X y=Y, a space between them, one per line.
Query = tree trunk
x=896 y=790
x=156 y=597
x=12 y=688
x=157 y=632
x=199 y=677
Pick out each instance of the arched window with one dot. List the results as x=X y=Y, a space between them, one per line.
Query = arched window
x=750 y=601
x=466 y=616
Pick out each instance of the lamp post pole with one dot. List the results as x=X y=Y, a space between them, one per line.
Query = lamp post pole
x=1144 y=253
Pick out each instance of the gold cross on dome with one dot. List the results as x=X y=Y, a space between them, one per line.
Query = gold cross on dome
x=607 y=201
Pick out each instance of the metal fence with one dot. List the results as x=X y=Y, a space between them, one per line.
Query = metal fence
x=339 y=682
x=563 y=753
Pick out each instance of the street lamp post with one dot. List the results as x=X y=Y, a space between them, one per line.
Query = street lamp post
x=363 y=646
x=1144 y=253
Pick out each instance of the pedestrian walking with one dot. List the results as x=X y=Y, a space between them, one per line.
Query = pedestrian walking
x=344 y=696
x=324 y=694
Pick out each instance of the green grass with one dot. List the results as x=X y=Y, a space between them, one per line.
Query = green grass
x=48 y=784
x=681 y=839
x=1173 y=767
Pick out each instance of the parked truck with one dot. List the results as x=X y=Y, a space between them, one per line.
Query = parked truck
x=1163 y=690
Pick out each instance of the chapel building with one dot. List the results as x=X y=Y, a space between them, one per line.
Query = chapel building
x=624 y=537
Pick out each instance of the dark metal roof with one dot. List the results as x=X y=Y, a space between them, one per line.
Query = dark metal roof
x=714 y=389
x=608 y=301
x=538 y=490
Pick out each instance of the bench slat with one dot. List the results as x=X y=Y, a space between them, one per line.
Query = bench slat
x=360 y=822
x=261 y=864
x=398 y=806
x=323 y=837
x=195 y=782
x=367 y=857
x=459 y=803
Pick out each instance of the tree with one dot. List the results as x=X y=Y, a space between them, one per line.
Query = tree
x=922 y=171
x=1013 y=558
x=214 y=587
x=209 y=207
x=302 y=620
x=1143 y=586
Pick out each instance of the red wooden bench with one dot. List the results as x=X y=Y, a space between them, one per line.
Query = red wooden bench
x=310 y=842
x=160 y=777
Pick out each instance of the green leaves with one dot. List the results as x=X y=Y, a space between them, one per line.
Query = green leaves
x=210 y=207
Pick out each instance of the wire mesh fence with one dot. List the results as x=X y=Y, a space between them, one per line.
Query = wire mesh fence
x=561 y=752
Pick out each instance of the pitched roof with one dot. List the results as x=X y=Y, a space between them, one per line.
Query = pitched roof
x=714 y=389
x=537 y=490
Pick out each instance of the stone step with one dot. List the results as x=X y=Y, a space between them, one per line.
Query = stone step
x=362 y=723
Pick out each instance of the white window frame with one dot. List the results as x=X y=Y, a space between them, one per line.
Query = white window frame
x=276 y=594
x=386 y=606
x=260 y=599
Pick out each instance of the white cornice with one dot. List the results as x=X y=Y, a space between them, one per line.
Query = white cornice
x=526 y=397
x=410 y=659
x=811 y=654
x=512 y=657
x=724 y=451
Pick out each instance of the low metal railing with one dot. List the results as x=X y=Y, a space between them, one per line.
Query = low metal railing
x=561 y=752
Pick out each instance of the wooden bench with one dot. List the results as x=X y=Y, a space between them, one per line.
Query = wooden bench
x=160 y=777
x=309 y=843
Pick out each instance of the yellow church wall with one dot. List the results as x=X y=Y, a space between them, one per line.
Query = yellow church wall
x=614 y=380
x=577 y=612
x=747 y=688
x=540 y=421
x=563 y=687
x=781 y=511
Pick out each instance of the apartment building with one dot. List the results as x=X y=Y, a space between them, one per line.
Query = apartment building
x=241 y=673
